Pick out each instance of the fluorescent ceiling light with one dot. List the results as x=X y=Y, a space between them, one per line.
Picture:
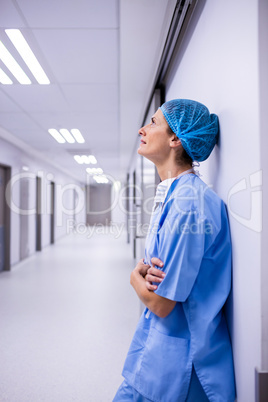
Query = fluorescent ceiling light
x=4 y=79
x=85 y=159
x=67 y=135
x=13 y=66
x=26 y=53
x=101 y=179
x=94 y=171
x=92 y=159
x=78 y=159
x=56 y=135
x=78 y=136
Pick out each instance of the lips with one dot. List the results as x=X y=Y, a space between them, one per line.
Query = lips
x=143 y=142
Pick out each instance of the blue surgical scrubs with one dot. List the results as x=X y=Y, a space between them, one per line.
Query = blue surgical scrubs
x=189 y=232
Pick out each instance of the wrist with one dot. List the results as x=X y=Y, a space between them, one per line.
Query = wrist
x=132 y=277
x=135 y=275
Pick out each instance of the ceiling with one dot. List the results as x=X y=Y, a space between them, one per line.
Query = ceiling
x=101 y=58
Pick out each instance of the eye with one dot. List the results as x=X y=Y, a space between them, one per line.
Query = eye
x=152 y=121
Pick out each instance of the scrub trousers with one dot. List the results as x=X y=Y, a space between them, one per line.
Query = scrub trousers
x=126 y=393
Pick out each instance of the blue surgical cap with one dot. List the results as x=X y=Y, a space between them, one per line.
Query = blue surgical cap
x=196 y=128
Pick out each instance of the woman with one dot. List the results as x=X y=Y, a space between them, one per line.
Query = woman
x=181 y=349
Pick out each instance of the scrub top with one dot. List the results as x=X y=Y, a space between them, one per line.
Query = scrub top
x=189 y=232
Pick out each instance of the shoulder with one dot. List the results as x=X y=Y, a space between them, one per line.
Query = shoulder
x=191 y=191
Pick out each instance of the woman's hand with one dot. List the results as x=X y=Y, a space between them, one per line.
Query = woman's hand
x=142 y=268
x=159 y=305
x=154 y=274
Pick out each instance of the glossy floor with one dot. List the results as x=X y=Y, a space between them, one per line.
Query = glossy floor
x=67 y=316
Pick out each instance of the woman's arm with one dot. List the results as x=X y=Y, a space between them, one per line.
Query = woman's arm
x=157 y=304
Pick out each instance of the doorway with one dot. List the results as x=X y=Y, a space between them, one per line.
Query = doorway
x=24 y=218
x=52 y=212
x=38 y=213
x=5 y=175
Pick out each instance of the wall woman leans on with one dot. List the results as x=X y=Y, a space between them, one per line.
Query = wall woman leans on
x=181 y=350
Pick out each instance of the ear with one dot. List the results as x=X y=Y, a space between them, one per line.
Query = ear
x=175 y=142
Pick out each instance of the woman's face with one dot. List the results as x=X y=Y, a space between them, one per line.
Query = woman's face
x=155 y=140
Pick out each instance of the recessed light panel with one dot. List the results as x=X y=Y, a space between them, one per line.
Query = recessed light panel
x=27 y=54
x=92 y=159
x=13 y=66
x=94 y=171
x=67 y=135
x=56 y=135
x=78 y=159
x=4 y=79
x=78 y=136
x=101 y=179
x=86 y=159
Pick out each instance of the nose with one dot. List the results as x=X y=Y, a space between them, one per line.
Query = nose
x=142 y=131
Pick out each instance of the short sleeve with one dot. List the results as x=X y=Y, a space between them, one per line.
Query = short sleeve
x=181 y=243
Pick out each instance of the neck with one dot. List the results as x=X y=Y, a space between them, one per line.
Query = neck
x=167 y=172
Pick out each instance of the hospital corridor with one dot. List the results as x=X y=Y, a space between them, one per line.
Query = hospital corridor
x=67 y=317
x=133 y=193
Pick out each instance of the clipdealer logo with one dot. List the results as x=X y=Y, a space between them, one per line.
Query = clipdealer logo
x=248 y=190
x=253 y=187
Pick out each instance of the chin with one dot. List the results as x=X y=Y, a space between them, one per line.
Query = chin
x=140 y=151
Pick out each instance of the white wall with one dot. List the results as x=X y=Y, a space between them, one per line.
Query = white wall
x=118 y=204
x=263 y=83
x=15 y=158
x=219 y=67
